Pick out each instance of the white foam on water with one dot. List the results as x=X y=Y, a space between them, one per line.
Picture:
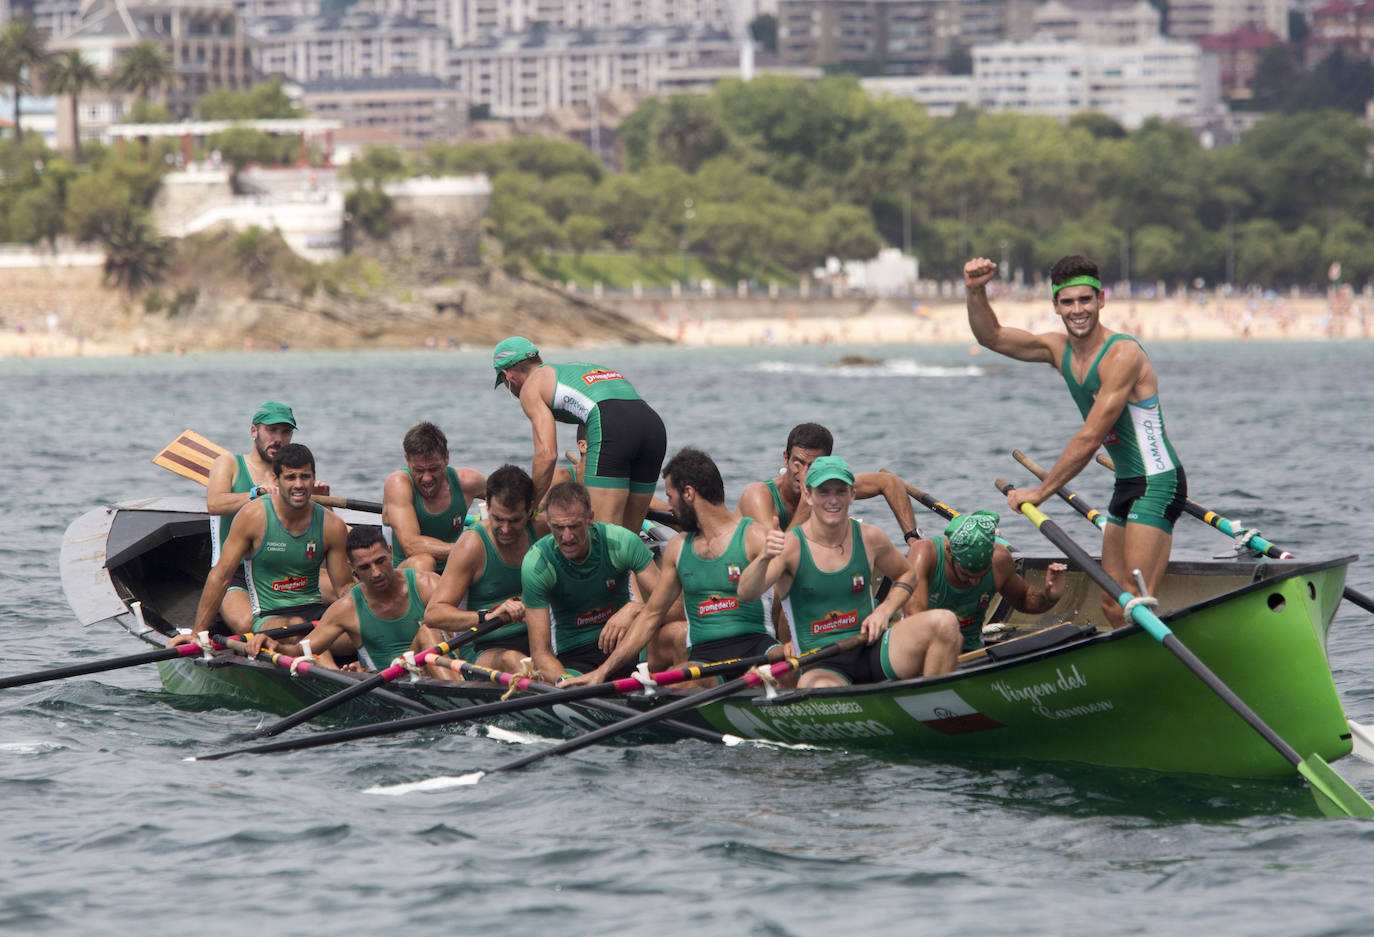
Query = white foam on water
x=506 y=735
x=898 y=367
x=441 y=783
x=30 y=747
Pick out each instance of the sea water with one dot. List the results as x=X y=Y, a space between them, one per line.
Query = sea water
x=107 y=830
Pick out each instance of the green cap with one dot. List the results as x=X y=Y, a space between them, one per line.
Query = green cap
x=511 y=352
x=274 y=414
x=971 y=539
x=826 y=468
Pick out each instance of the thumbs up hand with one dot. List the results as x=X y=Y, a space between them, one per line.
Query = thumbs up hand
x=777 y=539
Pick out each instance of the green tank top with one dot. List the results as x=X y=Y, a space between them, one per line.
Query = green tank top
x=581 y=597
x=446 y=525
x=285 y=569
x=580 y=387
x=968 y=605
x=779 y=505
x=827 y=607
x=709 y=592
x=221 y=523
x=499 y=581
x=1137 y=442
x=385 y=639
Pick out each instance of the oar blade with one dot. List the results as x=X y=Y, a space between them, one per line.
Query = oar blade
x=190 y=455
x=1334 y=795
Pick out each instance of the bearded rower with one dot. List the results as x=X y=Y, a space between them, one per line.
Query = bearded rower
x=1117 y=391
x=626 y=440
x=963 y=569
x=702 y=566
x=482 y=578
x=824 y=569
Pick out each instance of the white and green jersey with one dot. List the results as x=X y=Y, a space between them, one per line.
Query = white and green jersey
x=284 y=571
x=580 y=387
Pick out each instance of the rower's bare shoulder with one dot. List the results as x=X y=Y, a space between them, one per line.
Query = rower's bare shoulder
x=755 y=502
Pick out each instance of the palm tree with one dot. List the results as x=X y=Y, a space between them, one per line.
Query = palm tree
x=135 y=254
x=144 y=68
x=72 y=73
x=21 y=54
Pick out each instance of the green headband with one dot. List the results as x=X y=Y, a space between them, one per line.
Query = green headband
x=1094 y=282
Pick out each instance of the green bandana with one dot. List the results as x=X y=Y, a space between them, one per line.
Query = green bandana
x=971 y=539
x=1094 y=282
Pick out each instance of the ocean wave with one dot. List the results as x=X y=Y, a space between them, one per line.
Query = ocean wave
x=898 y=367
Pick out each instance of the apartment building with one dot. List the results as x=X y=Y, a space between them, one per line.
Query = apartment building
x=525 y=75
x=419 y=106
x=894 y=37
x=1344 y=25
x=354 y=44
x=1105 y=22
x=1190 y=20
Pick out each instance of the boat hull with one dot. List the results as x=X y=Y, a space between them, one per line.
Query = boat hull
x=1115 y=699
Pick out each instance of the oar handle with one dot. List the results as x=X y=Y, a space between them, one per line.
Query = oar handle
x=352 y=504
x=927 y=499
x=1076 y=502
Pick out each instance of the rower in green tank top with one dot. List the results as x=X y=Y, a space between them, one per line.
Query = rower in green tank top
x=575 y=584
x=234 y=480
x=287 y=538
x=425 y=504
x=823 y=569
x=962 y=570
x=1117 y=391
x=380 y=617
x=483 y=575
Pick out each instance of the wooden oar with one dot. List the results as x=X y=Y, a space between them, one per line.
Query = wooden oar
x=1253 y=541
x=324 y=673
x=658 y=713
x=190 y=455
x=1333 y=794
x=386 y=675
x=939 y=507
x=130 y=660
x=1077 y=503
x=501 y=707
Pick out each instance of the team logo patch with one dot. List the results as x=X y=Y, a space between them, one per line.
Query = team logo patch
x=858 y=584
x=310 y=550
x=602 y=374
x=983 y=601
x=294 y=584
x=458 y=523
x=733 y=572
x=1109 y=439
x=597 y=616
x=610 y=585
x=835 y=621
x=717 y=603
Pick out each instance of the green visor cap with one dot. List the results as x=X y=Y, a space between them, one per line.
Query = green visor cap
x=274 y=414
x=511 y=352
x=971 y=539
x=826 y=468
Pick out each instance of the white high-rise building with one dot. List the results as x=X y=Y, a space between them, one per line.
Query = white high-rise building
x=1190 y=20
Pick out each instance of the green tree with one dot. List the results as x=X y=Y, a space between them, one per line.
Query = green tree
x=72 y=74
x=763 y=29
x=144 y=68
x=22 y=53
x=135 y=254
x=688 y=132
x=1277 y=73
x=264 y=101
x=847 y=232
x=37 y=215
x=95 y=201
x=567 y=194
x=582 y=233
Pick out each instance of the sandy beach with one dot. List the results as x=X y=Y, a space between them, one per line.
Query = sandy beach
x=698 y=322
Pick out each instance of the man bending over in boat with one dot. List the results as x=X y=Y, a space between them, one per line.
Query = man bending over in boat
x=482 y=578
x=1116 y=390
x=576 y=468
x=626 y=440
x=380 y=617
x=962 y=570
x=426 y=503
x=824 y=568
x=575 y=584
x=703 y=567
x=282 y=539
x=232 y=480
